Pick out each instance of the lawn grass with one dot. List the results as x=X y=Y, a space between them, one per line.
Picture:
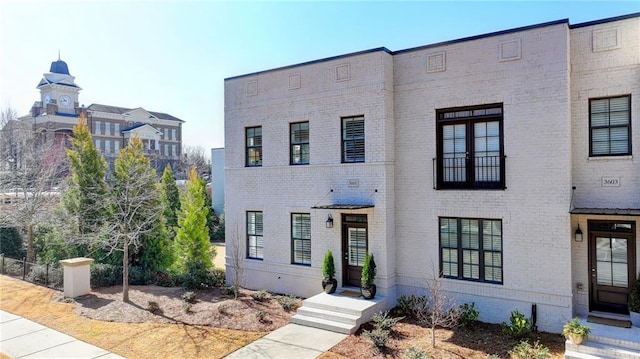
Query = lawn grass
x=130 y=340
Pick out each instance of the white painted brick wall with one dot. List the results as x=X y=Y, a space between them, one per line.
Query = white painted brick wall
x=545 y=93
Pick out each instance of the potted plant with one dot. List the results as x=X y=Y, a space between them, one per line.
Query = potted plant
x=575 y=332
x=367 y=287
x=329 y=282
x=634 y=302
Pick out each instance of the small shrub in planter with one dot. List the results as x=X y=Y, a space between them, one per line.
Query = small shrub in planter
x=329 y=282
x=634 y=302
x=368 y=288
x=260 y=295
x=575 y=332
x=524 y=350
x=519 y=326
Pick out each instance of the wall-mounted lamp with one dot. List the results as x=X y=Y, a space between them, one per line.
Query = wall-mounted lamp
x=578 y=234
x=329 y=222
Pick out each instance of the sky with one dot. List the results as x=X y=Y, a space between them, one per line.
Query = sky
x=173 y=56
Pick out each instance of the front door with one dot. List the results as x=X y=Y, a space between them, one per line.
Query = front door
x=354 y=248
x=612 y=265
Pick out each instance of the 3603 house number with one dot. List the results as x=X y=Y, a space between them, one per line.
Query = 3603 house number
x=610 y=182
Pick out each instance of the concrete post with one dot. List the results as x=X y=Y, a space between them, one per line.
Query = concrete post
x=77 y=277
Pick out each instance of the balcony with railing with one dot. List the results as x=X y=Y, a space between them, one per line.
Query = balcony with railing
x=479 y=172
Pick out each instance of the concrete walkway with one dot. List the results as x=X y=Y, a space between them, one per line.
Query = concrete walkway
x=22 y=338
x=290 y=341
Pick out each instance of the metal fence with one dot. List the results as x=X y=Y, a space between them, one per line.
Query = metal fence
x=47 y=275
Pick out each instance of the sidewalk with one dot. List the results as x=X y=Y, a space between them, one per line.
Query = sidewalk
x=22 y=338
x=290 y=341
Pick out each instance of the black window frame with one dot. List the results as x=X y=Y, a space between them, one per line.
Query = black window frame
x=258 y=233
x=459 y=250
x=305 y=243
x=253 y=149
x=304 y=144
x=469 y=116
x=353 y=145
x=592 y=127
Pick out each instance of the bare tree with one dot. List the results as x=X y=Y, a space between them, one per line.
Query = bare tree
x=195 y=156
x=441 y=311
x=236 y=262
x=135 y=206
x=32 y=169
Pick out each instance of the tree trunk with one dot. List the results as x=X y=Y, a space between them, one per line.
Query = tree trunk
x=125 y=273
x=31 y=250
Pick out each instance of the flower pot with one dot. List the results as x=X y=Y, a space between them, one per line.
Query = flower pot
x=635 y=319
x=329 y=285
x=576 y=339
x=368 y=292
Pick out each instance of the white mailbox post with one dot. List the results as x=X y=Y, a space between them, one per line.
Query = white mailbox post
x=77 y=277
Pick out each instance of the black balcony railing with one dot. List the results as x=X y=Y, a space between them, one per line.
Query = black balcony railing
x=479 y=172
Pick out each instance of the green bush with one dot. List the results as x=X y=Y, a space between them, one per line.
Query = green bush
x=634 y=296
x=468 y=314
x=11 y=244
x=415 y=353
x=189 y=297
x=368 y=271
x=153 y=307
x=378 y=337
x=261 y=316
x=524 y=350
x=137 y=276
x=260 y=295
x=519 y=327
x=104 y=275
x=198 y=276
x=52 y=277
x=413 y=305
x=383 y=321
x=288 y=302
x=218 y=277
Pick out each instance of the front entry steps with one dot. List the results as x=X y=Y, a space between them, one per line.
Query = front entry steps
x=337 y=313
x=606 y=342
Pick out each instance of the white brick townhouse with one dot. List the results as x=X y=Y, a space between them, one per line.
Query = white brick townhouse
x=505 y=162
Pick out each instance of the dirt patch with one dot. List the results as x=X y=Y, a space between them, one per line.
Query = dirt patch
x=477 y=343
x=212 y=307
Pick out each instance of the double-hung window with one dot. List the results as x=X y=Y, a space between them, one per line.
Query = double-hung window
x=299 y=133
x=610 y=126
x=301 y=238
x=97 y=129
x=255 y=243
x=353 y=139
x=471 y=249
x=253 y=146
x=470 y=148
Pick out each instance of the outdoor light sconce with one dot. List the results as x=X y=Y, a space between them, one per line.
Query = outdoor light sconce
x=329 y=222
x=578 y=234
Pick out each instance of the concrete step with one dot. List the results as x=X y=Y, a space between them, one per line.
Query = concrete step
x=325 y=324
x=328 y=315
x=624 y=343
x=601 y=350
x=575 y=355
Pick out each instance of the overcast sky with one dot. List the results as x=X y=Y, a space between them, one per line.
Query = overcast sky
x=173 y=57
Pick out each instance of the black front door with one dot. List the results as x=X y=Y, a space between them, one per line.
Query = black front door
x=354 y=248
x=612 y=265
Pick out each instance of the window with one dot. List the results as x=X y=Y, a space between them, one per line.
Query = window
x=107 y=128
x=470 y=148
x=173 y=134
x=301 y=238
x=97 y=130
x=254 y=146
x=116 y=146
x=353 y=139
x=166 y=134
x=610 y=126
x=166 y=149
x=255 y=243
x=116 y=129
x=107 y=146
x=173 y=151
x=471 y=249
x=98 y=144
x=299 y=143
